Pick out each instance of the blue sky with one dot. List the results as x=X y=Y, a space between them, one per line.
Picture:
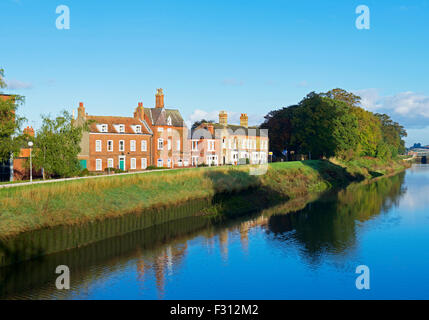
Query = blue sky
x=236 y=55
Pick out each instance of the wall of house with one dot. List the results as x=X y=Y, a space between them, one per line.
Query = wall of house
x=104 y=154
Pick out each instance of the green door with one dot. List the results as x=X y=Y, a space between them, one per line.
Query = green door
x=122 y=164
x=82 y=164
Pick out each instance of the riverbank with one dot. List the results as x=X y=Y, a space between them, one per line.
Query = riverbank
x=29 y=208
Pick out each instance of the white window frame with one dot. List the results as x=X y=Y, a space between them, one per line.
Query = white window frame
x=144 y=145
x=144 y=163
x=194 y=145
x=98 y=146
x=168 y=144
x=160 y=163
x=122 y=142
x=169 y=122
x=98 y=164
x=111 y=148
x=103 y=127
x=110 y=163
x=133 y=145
x=138 y=129
x=211 y=145
x=133 y=163
x=160 y=144
x=178 y=145
x=121 y=128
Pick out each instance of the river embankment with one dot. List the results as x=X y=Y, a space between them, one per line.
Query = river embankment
x=53 y=217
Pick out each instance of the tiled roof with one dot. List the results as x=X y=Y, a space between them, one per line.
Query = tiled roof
x=236 y=129
x=159 y=116
x=111 y=121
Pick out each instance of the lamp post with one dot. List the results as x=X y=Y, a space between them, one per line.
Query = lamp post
x=30 y=144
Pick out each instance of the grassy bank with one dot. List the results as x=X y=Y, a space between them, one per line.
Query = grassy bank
x=76 y=202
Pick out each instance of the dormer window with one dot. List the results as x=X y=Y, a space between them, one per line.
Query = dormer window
x=121 y=128
x=104 y=128
x=138 y=129
x=169 y=121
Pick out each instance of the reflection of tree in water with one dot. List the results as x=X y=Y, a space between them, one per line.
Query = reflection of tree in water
x=329 y=224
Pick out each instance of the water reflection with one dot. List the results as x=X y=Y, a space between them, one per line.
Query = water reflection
x=166 y=260
x=329 y=224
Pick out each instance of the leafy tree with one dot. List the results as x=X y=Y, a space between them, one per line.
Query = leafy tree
x=280 y=128
x=57 y=145
x=11 y=139
x=393 y=133
x=333 y=124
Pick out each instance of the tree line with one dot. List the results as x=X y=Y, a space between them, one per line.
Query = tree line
x=56 y=143
x=333 y=124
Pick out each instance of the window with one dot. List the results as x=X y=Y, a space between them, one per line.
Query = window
x=194 y=160
x=121 y=128
x=169 y=144
x=110 y=145
x=98 y=164
x=110 y=163
x=211 y=146
x=178 y=145
x=168 y=129
x=160 y=129
x=144 y=163
x=121 y=145
x=144 y=145
x=160 y=163
x=243 y=143
x=169 y=121
x=195 y=145
x=160 y=144
x=98 y=145
x=133 y=145
x=104 y=128
x=169 y=163
x=133 y=164
x=138 y=129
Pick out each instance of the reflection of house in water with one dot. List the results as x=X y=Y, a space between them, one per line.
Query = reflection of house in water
x=168 y=258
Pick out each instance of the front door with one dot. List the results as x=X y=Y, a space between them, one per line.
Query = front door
x=122 y=163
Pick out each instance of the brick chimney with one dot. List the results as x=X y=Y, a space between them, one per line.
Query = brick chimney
x=139 y=113
x=81 y=111
x=29 y=131
x=210 y=128
x=159 y=98
x=223 y=118
x=244 y=120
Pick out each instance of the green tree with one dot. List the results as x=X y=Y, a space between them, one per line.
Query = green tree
x=57 y=145
x=11 y=138
x=333 y=124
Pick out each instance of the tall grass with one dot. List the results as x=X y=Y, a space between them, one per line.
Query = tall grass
x=33 y=207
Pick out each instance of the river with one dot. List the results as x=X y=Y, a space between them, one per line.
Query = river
x=311 y=253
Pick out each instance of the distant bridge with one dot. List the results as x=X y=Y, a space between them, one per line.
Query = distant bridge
x=421 y=155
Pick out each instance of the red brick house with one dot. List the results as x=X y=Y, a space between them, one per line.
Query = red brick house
x=115 y=142
x=170 y=135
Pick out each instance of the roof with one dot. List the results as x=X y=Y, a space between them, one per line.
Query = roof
x=236 y=129
x=159 y=117
x=112 y=120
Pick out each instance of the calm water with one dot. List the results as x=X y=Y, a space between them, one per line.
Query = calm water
x=310 y=253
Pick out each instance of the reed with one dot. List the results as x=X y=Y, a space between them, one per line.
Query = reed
x=75 y=202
